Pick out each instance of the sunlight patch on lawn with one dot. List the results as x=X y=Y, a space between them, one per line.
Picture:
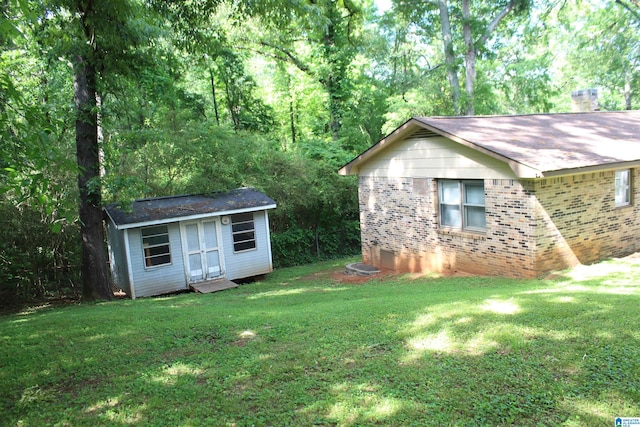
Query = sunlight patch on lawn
x=613 y=277
x=564 y=299
x=101 y=405
x=440 y=341
x=361 y=403
x=170 y=374
x=112 y=410
x=286 y=292
x=444 y=342
x=591 y=410
x=500 y=307
x=470 y=329
x=247 y=334
x=124 y=416
x=615 y=287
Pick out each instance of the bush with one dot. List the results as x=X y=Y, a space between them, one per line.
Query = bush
x=36 y=263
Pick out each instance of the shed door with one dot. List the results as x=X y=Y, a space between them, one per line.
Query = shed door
x=202 y=251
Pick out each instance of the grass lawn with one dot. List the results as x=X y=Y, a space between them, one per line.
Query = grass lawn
x=305 y=348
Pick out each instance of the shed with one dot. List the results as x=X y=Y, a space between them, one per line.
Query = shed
x=167 y=244
x=516 y=196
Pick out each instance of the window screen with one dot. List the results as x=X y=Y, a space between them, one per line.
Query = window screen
x=244 y=233
x=155 y=244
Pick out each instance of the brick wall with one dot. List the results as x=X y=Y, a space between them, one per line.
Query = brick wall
x=579 y=222
x=572 y=219
x=399 y=222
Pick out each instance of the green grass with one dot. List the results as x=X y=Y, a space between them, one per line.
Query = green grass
x=301 y=348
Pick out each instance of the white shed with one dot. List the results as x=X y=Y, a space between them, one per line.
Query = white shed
x=168 y=244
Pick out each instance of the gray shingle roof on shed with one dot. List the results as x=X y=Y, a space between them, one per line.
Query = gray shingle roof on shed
x=166 y=209
x=550 y=144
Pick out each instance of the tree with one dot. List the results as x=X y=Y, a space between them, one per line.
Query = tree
x=474 y=28
x=602 y=50
x=101 y=46
x=316 y=37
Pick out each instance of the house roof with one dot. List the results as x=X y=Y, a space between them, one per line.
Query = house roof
x=535 y=145
x=162 y=210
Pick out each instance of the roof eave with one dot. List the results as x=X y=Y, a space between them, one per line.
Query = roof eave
x=190 y=217
x=353 y=167
x=589 y=169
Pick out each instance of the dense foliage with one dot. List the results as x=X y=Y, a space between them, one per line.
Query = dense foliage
x=210 y=95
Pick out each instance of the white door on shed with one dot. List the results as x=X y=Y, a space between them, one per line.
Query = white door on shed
x=202 y=253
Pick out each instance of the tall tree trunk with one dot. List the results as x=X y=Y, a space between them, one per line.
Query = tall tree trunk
x=449 y=57
x=213 y=93
x=292 y=117
x=627 y=91
x=332 y=82
x=95 y=284
x=469 y=59
x=292 y=104
x=232 y=102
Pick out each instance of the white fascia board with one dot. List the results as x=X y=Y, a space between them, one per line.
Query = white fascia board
x=589 y=169
x=193 y=217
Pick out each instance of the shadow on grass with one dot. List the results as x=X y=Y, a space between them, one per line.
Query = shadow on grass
x=462 y=351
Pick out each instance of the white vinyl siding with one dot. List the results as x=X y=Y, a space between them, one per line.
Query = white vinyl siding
x=623 y=187
x=462 y=204
x=251 y=262
x=428 y=157
x=161 y=279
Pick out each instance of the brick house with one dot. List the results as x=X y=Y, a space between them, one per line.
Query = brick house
x=515 y=196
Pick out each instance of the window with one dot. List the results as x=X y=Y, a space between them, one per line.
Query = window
x=244 y=233
x=155 y=243
x=623 y=187
x=462 y=204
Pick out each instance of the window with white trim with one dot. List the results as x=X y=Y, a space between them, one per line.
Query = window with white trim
x=243 y=231
x=155 y=244
x=623 y=187
x=462 y=204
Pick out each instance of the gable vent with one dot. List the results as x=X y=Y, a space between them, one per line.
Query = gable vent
x=422 y=133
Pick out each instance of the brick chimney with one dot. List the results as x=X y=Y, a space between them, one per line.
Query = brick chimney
x=584 y=100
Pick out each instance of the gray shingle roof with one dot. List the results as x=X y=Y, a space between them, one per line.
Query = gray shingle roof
x=535 y=144
x=165 y=209
x=551 y=142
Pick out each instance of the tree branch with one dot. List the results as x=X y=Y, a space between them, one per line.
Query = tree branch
x=288 y=56
x=626 y=6
x=496 y=21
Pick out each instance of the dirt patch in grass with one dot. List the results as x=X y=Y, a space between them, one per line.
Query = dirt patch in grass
x=341 y=277
x=338 y=275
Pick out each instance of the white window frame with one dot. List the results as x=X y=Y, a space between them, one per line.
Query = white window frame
x=463 y=205
x=622 y=184
x=243 y=234
x=147 y=247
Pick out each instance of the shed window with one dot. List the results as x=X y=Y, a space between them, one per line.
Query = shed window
x=462 y=204
x=244 y=233
x=155 y=243
x=623 y=187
